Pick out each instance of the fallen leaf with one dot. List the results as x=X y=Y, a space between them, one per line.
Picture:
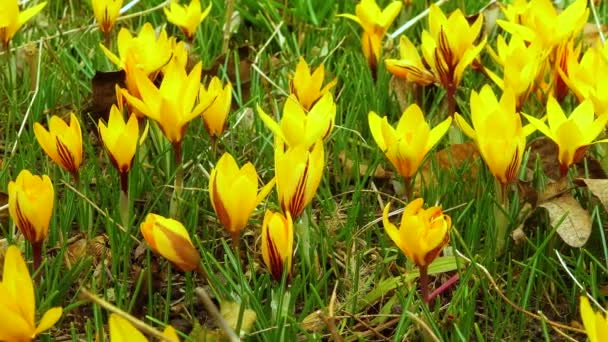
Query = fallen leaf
x=598 y=187
x=103 y=85
x=451 y=157
x=572 y=222
x=348 y=165
x=230 y=312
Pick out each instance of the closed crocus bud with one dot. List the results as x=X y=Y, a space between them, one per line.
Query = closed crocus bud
x=120 y=139
x=277 y=243
x=62 y=143
x=106 y=12
x=298 y=172
x=215 y=115
x=306 y=86
x=170 y=239
x=187 y=18
x=18 y=302
x=234 y=193
x=422 y=233
x=407 y=145
x=30 y=204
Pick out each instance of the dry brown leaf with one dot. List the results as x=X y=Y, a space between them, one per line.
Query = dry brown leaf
x=230 y=312
x=103 y=86
x=348 y=165
x=599 y=188
x=573 y=221
x=452 y=156
x=591 y=33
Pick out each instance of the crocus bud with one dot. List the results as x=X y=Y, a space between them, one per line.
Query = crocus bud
x=120 y=139
x=170 y=239
x=30 y=204
x=234 y=193
x=277 y=243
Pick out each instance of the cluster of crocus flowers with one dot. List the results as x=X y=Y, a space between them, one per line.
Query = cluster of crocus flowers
x=497 y=131
x=187 y=18
x=234 y=194
x=448 y=48
x=121 y=330
x=170 y=239
x=573 y=134
x=215 y=115
x=406 y=145
x=62 y=142
x=277 y=243
x=30 y=205
x=106 y=12
x=147 y=53
x=539 y=22
x=421 y=235
x=374 y=22
x=18 y=302
x=11 y=18
x=595 y=323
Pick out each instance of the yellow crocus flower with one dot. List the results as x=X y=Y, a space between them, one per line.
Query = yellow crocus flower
x=538 y=21
x=214 y=116
x=148 y=51
x=106 y=12
x=11 y=19
x=62 y=143
x=297 y=127
x=172 y=105
x=448 y=48
x=573 y=134
x=121 y=330
x=521 y=64
x=234 y=193
x=120 y=139
x=595 y=323
x=588 y=79
x=566 y=54
x=375 y=22
x=277 y=243
x=18 y=302
x=298 y=171
x=306 y=86
x=407 y=145
x=422 y=233
x=410 y=65
x=30 y=204
x=497 y=131
x=187 y=18
x=170 y=239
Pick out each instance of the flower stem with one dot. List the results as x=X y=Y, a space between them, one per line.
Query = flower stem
x=124 y=199
x=500 y=212
x=453 y=279
x=37 y=257
x=424 y=283
x=179 y=181
x=409 y=187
